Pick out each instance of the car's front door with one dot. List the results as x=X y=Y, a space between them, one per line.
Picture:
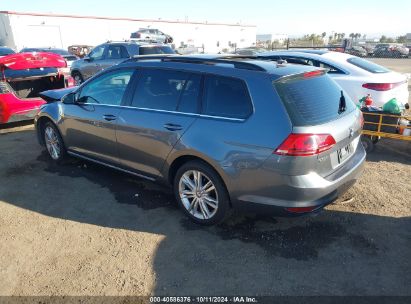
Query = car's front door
x=164 y=105
x=89 y=123
x=114 y=54
x=92 y=63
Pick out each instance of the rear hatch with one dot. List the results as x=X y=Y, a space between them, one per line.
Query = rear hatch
x=30 y=73
x=326 y=124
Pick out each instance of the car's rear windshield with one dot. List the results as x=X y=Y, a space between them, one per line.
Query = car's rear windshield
x=152 y=50
x=367 y=65
x=6 y=51
x=312 y=100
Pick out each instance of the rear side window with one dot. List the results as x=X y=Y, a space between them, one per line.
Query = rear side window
x=312 y=100
x=367 y=65
x=152 y=50
x=226 y=97
x=167 y=90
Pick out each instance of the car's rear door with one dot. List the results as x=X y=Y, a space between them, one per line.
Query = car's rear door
x=89 y=124
x=164 y=105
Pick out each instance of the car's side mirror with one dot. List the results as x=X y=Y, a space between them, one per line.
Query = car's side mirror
x=70 y=98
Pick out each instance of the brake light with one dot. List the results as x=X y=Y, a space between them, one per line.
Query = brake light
x=305 y=144
x=313 y=73
x=70 y=81
x=381 y=86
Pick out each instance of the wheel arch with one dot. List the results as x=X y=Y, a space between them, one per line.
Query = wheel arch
x=180 y=160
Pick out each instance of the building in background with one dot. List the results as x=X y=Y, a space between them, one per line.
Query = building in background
x=18 y=30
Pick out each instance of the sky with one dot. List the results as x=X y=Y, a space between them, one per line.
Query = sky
x=292 y=17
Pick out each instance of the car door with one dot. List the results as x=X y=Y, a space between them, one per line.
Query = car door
x=89 y=123
x=163 y=106
x=92 y=63
x=114 y=54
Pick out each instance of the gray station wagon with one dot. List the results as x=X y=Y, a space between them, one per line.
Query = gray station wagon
x=224 y=132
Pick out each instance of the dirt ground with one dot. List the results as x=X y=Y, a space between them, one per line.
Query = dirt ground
x=82 y=229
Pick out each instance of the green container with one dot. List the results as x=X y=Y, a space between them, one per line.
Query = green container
x=392 y=106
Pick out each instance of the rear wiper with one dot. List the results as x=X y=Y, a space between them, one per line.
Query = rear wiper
x=342 y=106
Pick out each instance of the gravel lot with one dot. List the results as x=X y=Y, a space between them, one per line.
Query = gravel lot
x=81 y=229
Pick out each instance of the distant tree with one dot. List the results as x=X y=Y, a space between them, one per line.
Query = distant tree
x=342 y=35
x=390 y=40
x=402 y=39
x=323 y=35
x=383 y=38
x=352 y=35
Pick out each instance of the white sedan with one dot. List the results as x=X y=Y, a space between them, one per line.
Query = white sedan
x=356 y=76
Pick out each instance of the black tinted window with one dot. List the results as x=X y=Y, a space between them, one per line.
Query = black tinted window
x=312 y=100
x=367 y=65
x=6 y=51
x=226 y=97
x=189 y=97
x=152 y=50
x=116 y=52
x=107 y=89
x=163 y=90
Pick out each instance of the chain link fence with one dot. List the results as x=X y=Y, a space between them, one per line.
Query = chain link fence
x=357 y=48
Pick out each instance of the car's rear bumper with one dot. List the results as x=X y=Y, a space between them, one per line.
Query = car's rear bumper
x=310 y=190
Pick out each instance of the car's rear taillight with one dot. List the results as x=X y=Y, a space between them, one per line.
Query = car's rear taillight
x=70 y=81
x=382 y=86
x=305 y=144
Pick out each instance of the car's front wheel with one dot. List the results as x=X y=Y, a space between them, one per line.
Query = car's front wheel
x=201 y=193
x=54 y=142
x=78 y=79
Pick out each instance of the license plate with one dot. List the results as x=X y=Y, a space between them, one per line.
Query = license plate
x=344 y=153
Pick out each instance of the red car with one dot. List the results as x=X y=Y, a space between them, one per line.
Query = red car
x=22 y=77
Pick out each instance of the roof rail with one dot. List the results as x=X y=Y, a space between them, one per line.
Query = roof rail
x=234 y=60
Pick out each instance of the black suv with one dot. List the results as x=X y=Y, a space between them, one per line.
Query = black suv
x=110 y=53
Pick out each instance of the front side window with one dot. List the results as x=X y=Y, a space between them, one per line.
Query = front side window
x=226 y=97
x=116 y=52
x=108 y=89
x=97 y=52
x=167 y=90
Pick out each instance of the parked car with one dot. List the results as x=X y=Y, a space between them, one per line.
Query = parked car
x=152 y=34
x=357 y=76
x=70 y=58
x=111 y=53
x=357 y=51
x=224 y=133
x=6 y=51
x=22 y=77
x=79 y=50
x=391 y=51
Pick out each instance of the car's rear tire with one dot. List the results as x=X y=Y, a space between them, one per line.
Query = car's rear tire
x=201 y=193
x=53 y=142
x=78 y=78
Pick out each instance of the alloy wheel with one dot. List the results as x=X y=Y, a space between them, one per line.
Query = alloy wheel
x=52 y=143
x=198 y=194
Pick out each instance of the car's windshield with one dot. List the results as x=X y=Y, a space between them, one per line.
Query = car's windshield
x=367 y=65
x=152 y=50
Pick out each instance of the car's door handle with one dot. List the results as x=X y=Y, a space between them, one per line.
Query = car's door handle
x=172 y=127
x=109 y=117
